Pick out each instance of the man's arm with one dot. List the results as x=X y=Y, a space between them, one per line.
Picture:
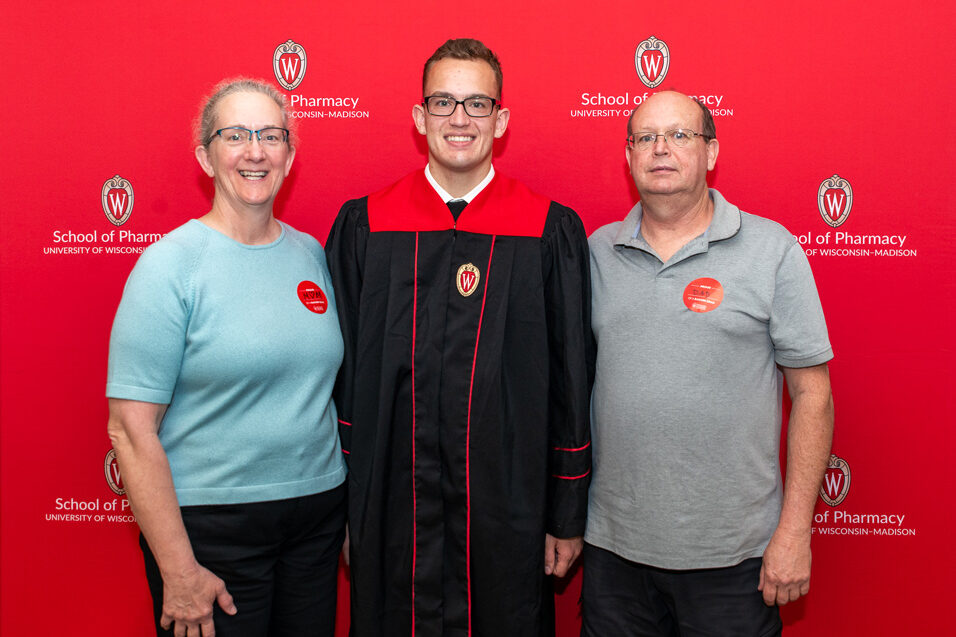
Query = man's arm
x=345 y=254
x=785 y=574
x=571 y=374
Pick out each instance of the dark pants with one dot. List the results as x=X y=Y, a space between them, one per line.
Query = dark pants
x=624 y=598
x=279 y=560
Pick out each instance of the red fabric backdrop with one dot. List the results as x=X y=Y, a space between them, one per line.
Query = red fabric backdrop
x=802 y=92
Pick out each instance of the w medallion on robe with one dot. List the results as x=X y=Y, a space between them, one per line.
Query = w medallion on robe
x=467 y=279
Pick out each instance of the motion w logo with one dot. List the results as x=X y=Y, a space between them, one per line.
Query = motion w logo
x=117 y=202
x=834 y=200
x=652 y=59
x=467 y=279
x=116 y=198
x=112 y=470
x=836 y=481
x=652 y=62
x=833 y=482
x=288 y=64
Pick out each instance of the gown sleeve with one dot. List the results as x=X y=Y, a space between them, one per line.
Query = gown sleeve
x=571 y=358
x=345 y=252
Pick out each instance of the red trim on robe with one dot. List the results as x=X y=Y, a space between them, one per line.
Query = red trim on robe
x=505 y=207
x=414 y=414
x=583 y=475
x=577 y=449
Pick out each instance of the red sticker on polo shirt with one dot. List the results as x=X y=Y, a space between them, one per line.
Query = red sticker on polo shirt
x=313 y=297
x=703 y=295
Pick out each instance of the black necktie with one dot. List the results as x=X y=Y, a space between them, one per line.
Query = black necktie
x=456 y=206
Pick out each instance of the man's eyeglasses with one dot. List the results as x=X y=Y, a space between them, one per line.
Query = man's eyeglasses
x=678 y=138
x=443 y=106
x=238 y=136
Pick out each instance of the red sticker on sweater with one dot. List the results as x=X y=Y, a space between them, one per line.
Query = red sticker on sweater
x=703 y=295
x=313 y=297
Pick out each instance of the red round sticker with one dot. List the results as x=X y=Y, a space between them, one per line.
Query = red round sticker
x=703 y=295
x=313 y=297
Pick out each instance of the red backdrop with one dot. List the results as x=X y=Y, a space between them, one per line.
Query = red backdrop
x=802 y=92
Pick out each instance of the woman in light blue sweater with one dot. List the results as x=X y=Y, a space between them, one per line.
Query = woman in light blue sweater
x=223 y=355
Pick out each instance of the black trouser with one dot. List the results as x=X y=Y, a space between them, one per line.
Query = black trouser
x=279 y=560
x=624 y=598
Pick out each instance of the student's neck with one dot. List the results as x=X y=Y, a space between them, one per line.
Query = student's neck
x=459 y=184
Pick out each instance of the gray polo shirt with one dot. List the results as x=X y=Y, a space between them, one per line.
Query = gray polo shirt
x=686 y=405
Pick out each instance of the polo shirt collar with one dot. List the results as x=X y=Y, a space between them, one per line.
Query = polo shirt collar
x=725 y=224
x=726 y=221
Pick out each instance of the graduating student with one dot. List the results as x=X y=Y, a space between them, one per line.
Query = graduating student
x=464 y=392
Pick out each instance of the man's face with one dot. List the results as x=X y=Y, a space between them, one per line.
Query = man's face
x=459 y=145
x=663 y=169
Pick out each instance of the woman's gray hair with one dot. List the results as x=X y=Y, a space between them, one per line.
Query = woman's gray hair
x=205 y=125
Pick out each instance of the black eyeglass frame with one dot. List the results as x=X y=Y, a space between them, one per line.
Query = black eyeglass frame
x=258 y=133
x=494 y=103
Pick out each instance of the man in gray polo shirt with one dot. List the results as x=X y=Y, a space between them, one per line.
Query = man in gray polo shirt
x=698 y=310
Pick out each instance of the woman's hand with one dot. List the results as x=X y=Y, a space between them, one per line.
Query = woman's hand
x=188 y=600
x=189 y=589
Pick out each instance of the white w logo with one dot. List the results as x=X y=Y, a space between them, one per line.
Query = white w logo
x=835 y=204
x=652 y=63
x=290 y=68
x=117 y=203
x=834 y=483
x=115 y=471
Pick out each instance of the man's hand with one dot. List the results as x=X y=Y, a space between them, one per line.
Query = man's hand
x=560 y=554
x=188 y=601
x=785 y=574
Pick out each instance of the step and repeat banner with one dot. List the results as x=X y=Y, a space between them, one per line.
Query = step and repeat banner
x=834 y=119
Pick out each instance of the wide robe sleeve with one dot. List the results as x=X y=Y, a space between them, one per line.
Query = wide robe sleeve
x=567 y=281
x=345 y=251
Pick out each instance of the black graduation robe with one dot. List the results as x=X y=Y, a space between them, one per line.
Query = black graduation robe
x=463 y=405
